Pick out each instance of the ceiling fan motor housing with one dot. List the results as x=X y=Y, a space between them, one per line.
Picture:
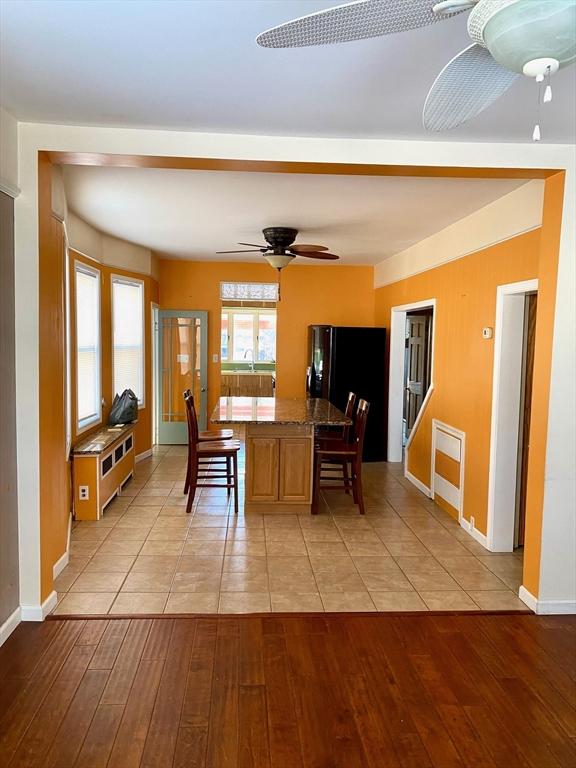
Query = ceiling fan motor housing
x=526 y=36
x=279 y=238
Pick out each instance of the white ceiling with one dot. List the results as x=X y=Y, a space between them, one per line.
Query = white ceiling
x=193 y=214
x=195 y=66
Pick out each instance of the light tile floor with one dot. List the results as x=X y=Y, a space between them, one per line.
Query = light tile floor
x=406 y=554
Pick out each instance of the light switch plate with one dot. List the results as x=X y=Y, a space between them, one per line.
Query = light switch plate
x=214 y=358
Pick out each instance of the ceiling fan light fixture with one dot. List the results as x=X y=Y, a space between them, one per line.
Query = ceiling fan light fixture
x=520 y=32
x=278 y=260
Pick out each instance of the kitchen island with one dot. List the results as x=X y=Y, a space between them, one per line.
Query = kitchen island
x=279 y=447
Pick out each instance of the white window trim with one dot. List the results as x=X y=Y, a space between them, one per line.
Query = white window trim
x=82 y=425
x=256 y=312
x=130 y=281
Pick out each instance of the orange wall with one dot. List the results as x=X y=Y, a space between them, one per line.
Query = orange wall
x=465 y=293
x=54 y=471
x=333 y=295
x=547 y=279
x=143 y=430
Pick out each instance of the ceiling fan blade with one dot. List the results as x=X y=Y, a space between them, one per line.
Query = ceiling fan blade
x=255 y=245
x=319 y=255
x=352 y=21
x=304 y=248
x=467 y=85
x=252 y=250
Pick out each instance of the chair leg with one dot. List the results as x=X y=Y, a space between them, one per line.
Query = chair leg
x=235 y=469
x=187 y=481
x=316 y=484
x=193 y=480
x=357 y=470
x=228 y=476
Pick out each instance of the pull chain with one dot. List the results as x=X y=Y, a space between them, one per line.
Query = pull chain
x=542 y=99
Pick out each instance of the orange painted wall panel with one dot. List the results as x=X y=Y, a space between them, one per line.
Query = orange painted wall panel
x=333 y=295
x=54 y=471
x=465 y=293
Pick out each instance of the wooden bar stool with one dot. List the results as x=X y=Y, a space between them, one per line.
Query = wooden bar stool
x=209 y=435
x=205 y=460
x=341 y=433
x=334 y=456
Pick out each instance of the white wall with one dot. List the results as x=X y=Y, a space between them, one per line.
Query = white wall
x=517 y=212
x=558 y=552
x=8 y=153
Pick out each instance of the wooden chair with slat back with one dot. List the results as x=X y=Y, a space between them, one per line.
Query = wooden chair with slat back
x=205 y=460
x=331 y=456
x=208 y=436
x=343 y=433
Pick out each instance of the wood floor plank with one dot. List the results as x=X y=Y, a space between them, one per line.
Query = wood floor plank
x=68 y=741
x=99 y=740
x=22 y=710
x=124 y=670
x=110 y=644
x=254 y=745
x=336 y=691
x=191 y=747
x=47 y=720
x=222 y=746
x=133 y=730
x=160 y=745
x=284 y=739
x=198 y=693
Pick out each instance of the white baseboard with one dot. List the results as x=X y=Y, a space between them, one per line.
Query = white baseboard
x=10 y=625
x=418 y=483
x=474 y=532
x=546 y=607
x=62 y=562
x=143 y=455
x=39 y=612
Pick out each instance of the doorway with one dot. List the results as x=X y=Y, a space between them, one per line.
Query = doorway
x=515 y=324
x=182 y=350
x=417 y=366
x=402 y=410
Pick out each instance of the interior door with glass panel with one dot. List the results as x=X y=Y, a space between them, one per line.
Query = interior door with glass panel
x=182 y=351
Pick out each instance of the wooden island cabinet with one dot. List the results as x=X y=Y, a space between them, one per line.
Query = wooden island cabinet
x=279 y=448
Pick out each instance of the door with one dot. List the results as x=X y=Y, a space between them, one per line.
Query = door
x=416 y=366
x=182 y=364
x=525 y=414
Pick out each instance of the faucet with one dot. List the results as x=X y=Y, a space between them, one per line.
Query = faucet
x=252 y=367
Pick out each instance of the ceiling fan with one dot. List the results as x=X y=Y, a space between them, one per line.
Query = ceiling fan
x=281 y=249
x=510 y=38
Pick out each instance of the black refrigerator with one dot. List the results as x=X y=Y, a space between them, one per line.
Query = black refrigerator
x=343 y=360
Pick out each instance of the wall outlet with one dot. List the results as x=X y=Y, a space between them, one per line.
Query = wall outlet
x=83 y=493
x=214 y=358
x=472 y=522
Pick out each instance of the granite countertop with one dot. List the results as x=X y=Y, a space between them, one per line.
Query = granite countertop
x=99 y=442
x=277 y=410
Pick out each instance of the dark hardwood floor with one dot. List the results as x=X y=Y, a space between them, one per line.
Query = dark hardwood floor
x=291 y=692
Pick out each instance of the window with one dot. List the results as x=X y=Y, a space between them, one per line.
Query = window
x=248 y=336
x=249 y=291
x=128 y=336
x=88 y=390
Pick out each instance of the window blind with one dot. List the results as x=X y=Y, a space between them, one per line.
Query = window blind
x=88 y=398
x=128 y=336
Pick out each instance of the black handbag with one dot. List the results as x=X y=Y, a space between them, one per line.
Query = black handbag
x=124 y=408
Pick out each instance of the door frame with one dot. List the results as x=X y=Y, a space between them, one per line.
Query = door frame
x=203 y=315
x=505 y=419
x=396 y=382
